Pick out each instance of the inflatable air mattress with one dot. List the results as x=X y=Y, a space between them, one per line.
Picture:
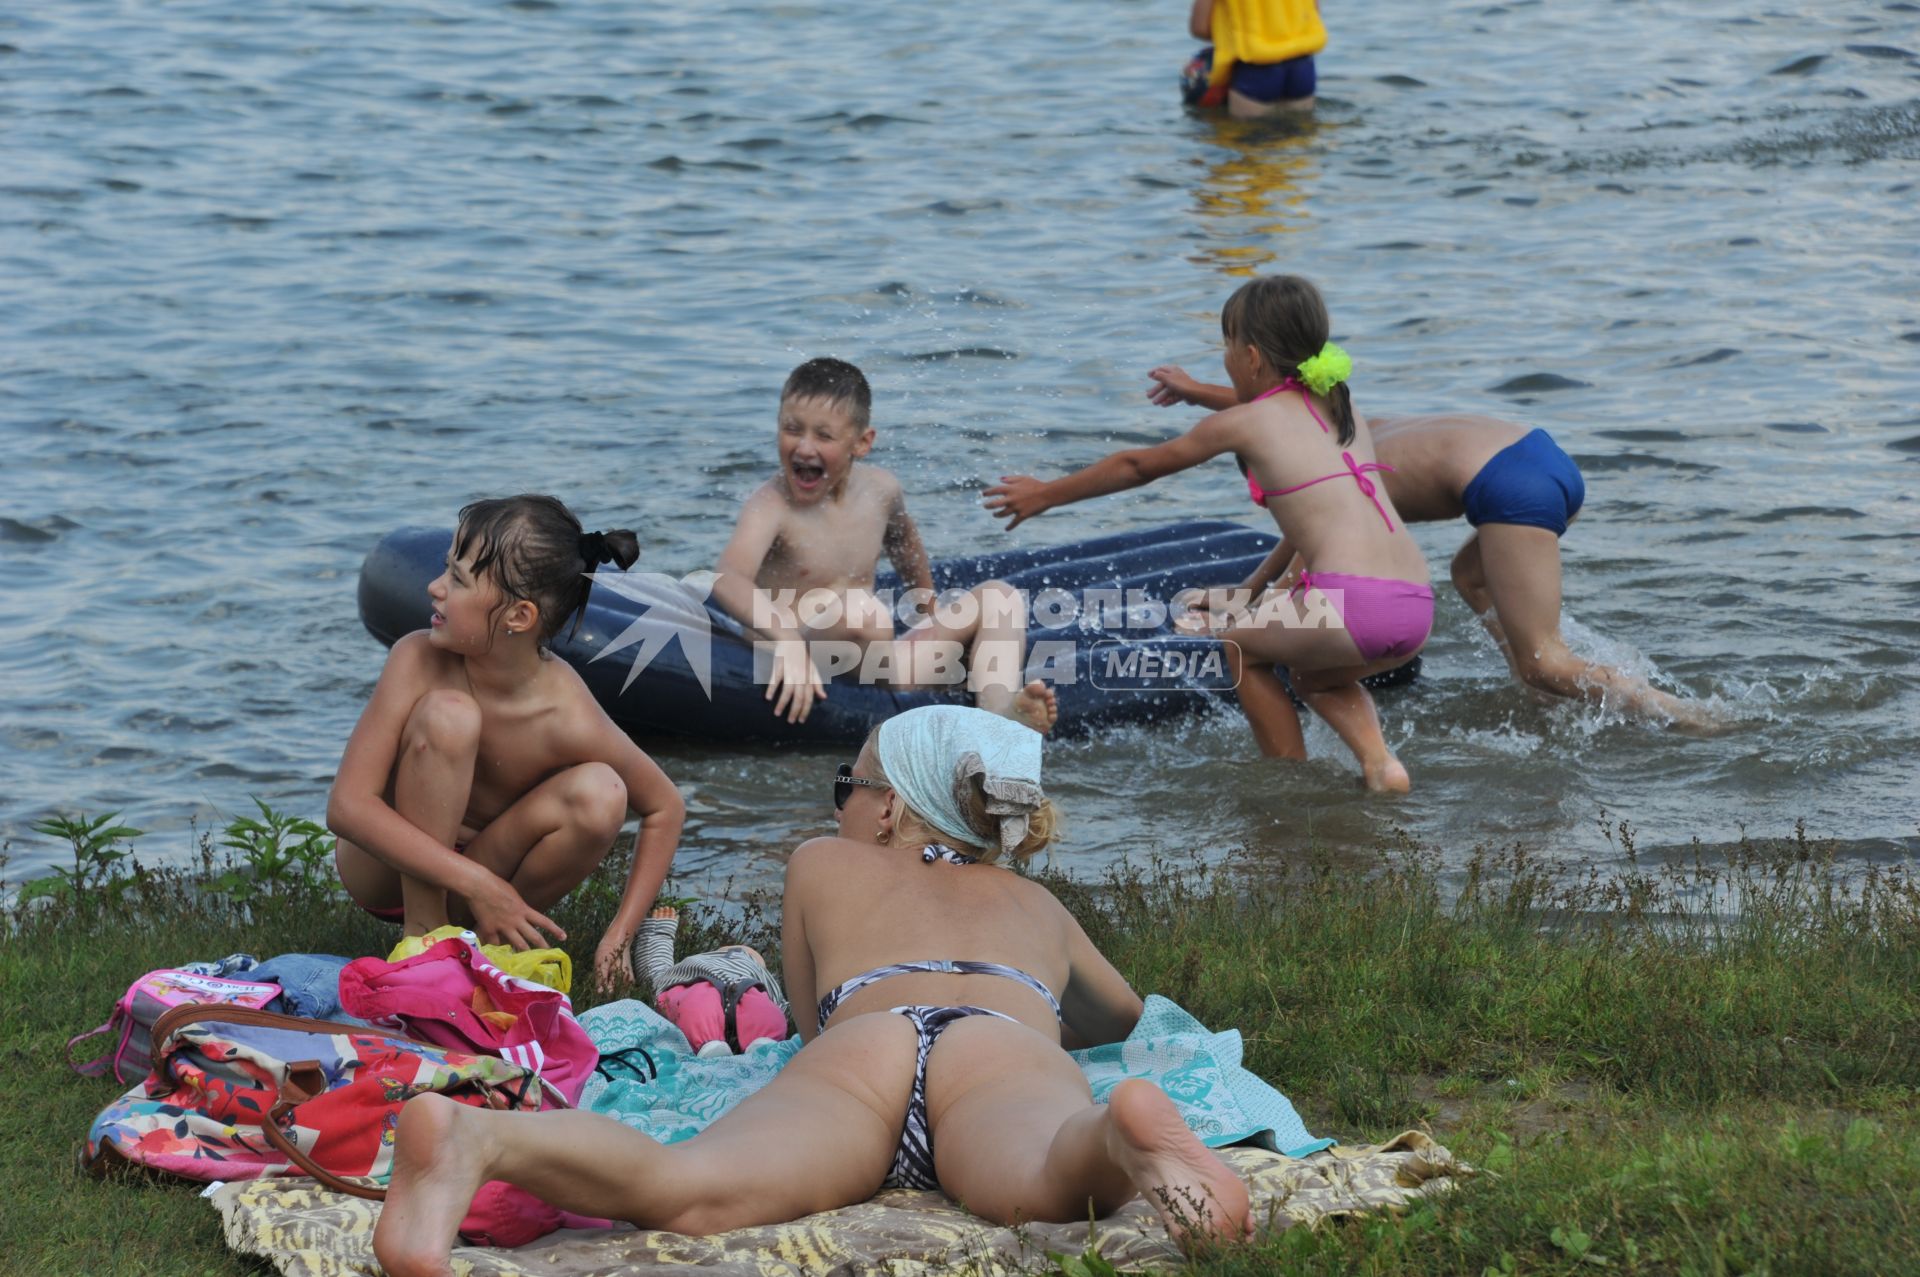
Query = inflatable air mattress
x=665 y=663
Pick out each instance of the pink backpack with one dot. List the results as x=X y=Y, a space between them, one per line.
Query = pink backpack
x=146 y=1000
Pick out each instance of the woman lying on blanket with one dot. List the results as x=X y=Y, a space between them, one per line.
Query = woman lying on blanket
x=944 y=985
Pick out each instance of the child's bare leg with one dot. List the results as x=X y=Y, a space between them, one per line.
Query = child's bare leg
x=1521 y=566
x=990 y=623
x=432 y=780
x=1242 y=107
x=556 y=834
x=1035 y=705
x=997 y=653
x=1264 y=701
x=1470 y=582
x=1324 y=664
x=1348 y=709
x=819 y=1136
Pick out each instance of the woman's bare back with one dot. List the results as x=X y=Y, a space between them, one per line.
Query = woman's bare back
x=862 y=906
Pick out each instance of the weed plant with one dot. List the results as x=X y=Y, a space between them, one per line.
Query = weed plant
x=1702 y=1062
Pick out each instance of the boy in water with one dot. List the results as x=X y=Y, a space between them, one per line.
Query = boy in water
x=799 y=570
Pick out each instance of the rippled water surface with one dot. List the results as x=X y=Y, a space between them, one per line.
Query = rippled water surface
x=276 y=279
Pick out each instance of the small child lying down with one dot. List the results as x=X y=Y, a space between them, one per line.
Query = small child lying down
x=725 y=1001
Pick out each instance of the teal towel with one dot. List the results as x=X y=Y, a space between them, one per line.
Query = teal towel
x=688 y=1093
x=1221 y=1102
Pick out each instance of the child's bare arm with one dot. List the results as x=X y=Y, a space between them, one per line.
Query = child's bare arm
x=1200 y=20
x=1018 y=498
x=652 y=796
x=733 y=586
x=1272 y=568
x=794 y=684
x=1225 y=605
x=358 y=810
x=905 y=550
x=1172 y=385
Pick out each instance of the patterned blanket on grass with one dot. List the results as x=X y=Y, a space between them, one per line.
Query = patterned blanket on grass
x=653 y=1082
x=303 y=1231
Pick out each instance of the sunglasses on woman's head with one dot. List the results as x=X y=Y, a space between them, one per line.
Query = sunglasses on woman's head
x=843 y=782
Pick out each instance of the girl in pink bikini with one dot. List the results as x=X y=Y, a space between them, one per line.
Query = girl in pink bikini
x=1309 y=461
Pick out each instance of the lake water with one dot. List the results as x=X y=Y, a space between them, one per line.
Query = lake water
x=276 y=279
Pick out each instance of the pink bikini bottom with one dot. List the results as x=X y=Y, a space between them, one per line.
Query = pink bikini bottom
x=1386 y=618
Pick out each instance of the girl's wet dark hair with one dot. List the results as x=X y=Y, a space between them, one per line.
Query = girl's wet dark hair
x=1285 y=319
x=533 y=548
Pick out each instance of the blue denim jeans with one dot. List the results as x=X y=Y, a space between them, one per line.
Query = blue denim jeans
x=309 y=985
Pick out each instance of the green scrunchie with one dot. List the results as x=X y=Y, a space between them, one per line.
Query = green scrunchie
x=1325 y=370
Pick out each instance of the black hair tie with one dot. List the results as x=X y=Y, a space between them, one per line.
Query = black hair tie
x=593 y=548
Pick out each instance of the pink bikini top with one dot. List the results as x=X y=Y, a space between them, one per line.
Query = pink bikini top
x=1358 y=469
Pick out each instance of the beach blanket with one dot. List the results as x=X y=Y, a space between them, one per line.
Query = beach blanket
x=303 y=1231
x=655 y=1084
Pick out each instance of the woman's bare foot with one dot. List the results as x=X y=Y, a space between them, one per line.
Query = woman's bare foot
x=1036 y=706
x=1386 y=775
x=1197 y=1195
x=438 y=1165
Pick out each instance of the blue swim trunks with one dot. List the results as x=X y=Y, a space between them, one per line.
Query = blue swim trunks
x=1261 y=81
x=1532 y=483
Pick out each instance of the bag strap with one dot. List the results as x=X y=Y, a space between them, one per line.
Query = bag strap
x=296 y=1091
x=304 y=1079
x=226 y=1013
x=285 y=1146
x=730 y=1006
x=604 y=1069
x=730 y=996
x=96 y=1067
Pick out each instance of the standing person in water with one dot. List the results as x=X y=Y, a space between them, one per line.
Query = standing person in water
x=1261 y=59
x=483 y=782
x=1519 y=491
x=1367 y=584
x=933 y=1059
x=724 y=998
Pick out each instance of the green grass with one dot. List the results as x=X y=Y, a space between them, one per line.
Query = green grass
x=1705 y=1067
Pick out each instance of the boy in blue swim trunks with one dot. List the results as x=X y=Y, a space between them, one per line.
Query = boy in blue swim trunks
x=1519 y=490
x=1261 y=59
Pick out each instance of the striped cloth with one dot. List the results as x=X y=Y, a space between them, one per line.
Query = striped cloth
x=653 y=955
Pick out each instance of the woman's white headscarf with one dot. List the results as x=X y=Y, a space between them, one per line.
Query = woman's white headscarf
x=932 y=754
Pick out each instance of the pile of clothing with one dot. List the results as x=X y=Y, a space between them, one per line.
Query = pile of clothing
x=299 y=1065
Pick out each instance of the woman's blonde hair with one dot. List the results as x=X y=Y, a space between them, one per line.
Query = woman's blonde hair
x=1043 y=823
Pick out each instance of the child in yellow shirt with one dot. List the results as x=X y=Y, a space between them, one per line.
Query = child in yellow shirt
x=1261 y=59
